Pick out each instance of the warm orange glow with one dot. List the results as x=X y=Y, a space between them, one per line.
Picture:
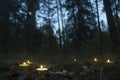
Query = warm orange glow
x=95 y=60
x=24 y=64
x=109 y=61
x=41 y=68
x=29 y=62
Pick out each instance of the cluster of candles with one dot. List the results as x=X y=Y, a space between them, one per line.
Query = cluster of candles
x=43 y=68
x=96 y=60
x=107 y=61
x=27 y=63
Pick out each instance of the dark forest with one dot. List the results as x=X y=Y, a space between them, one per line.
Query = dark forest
x=62 y=33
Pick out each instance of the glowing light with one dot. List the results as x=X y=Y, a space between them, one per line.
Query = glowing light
x=29 y=62
x=24 y=64
x=75 y=60
x=41 y=68
x=95 y=60
x=109 y=61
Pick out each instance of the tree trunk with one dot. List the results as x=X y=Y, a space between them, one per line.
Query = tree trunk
x=4 y=25
x=116 y=17
x=30 y=25
x=49 y=24
x=63 y=29
x=59 y=28
x=111 y=22
x=98 y=21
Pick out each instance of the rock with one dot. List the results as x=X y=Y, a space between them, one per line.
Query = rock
x=22 y=77
x=4 y=78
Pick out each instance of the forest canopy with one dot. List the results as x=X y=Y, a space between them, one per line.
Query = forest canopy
x=44 y=29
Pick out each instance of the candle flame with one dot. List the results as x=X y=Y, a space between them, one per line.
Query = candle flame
x=75 y=59
x=41 y=66
x=109 y=61
x=29 y=62
x=95 y=60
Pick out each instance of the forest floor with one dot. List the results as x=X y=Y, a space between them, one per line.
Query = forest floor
x=72 y=71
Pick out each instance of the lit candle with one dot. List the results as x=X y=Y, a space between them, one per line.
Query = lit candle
x=75 y=60
x=29 y=62
x=95 y=60
x=109 y=61
x=24 y=64
x=41 y=68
